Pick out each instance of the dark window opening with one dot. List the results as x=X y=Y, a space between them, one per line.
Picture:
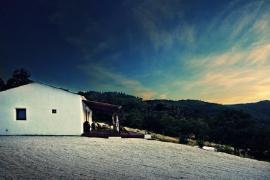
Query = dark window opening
x=54 y=111
x=20 y=114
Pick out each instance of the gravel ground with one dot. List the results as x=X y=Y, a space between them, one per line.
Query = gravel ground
x=30 y=157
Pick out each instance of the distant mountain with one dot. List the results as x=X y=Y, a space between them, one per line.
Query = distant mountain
x=188 y=108
x=259 y=110
x=196 y=105
x=242 y=126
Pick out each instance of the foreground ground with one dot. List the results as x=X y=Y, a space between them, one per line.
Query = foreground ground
x=90 y=158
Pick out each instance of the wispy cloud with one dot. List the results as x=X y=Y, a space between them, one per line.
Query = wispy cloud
x=238 y=73
x=108 y=79
x=163 y=23
x=233 y=59
x=253 y=56
x=168 y=52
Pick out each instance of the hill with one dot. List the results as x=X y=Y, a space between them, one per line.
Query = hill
x=259 y=110
x=246 y=127
x=33 y=157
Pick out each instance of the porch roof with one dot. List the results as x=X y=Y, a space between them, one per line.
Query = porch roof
x=102 y=107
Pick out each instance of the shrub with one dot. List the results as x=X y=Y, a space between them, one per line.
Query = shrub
x=200 y=142
x=225 y=149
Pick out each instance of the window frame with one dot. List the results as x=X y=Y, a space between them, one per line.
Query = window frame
x=18 y=118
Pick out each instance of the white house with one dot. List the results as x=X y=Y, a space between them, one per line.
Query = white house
x=38 y=109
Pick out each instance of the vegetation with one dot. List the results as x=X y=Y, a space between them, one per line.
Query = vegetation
x=191 y=119
x=2 y=84
x=244 y=127
x=19 y=77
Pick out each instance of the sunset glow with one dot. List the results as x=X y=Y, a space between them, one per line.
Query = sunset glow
x=217 y=51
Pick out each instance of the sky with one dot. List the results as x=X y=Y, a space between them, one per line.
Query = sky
x=216 y=51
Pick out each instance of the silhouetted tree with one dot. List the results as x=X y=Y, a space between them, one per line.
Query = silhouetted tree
x=200 y=141
x=19 y=77
x=2 y=84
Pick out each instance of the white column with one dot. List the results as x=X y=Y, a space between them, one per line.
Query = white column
x=117 y=124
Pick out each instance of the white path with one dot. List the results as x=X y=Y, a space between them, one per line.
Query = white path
x=92 y=158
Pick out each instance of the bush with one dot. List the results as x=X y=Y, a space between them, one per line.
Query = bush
x=200 y=142
x=225 y=149
x=183 y=139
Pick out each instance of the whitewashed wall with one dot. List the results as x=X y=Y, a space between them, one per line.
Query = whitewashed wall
x=39 y=100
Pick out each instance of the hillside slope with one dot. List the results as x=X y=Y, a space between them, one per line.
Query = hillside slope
x=259 y=110
x=90 y=158
x=246 y=127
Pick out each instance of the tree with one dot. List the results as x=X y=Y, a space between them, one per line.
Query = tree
x=133 y=119
x=200 y=141
x=19 y=77
x=2 y=84
x=185 y=126
x=169 y=125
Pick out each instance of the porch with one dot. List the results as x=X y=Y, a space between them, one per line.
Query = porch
x=111 y=113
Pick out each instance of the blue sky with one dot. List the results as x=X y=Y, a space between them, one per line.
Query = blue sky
x=216 y=51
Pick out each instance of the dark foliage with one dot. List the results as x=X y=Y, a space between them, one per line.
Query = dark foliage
x=236 y=127
x=2 y=84
x=259 y=111
x=133 y=118
x=245 y=127
x=200 y=141
x=19 y=77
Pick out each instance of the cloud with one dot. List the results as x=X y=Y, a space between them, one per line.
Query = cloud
x=107 y=79
x=235 y=86
x=235 y=60
x=237 y=69
x=163 y=96
x=256 y=55
x=169 y=54
x=227 y=85
x=234 y=76
x=239 y=20
x=156 y=19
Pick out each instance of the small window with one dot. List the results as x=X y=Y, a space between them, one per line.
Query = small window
x=20 y=114
x=54 y=111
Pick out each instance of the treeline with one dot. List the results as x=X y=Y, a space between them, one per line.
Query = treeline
x=18 y=78
x=199 y=120
x=244 y=127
